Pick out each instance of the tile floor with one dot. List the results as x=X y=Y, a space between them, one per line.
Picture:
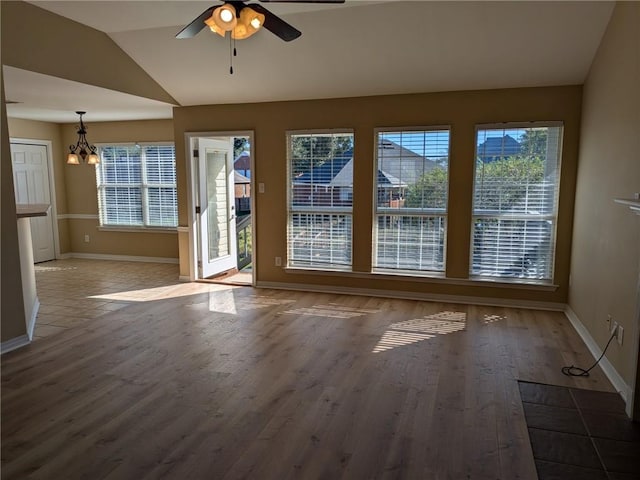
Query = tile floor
x=75 y=291
x=580 y=434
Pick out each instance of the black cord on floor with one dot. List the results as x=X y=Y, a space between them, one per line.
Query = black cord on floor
x=573 y=371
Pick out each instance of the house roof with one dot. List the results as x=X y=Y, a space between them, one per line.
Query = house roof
x=392 y=157
x=403 y=164
x=496 y=147
x=326 y=173
x=387 y=180
x=243 y=161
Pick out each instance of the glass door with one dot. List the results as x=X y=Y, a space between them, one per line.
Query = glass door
x=217 y=207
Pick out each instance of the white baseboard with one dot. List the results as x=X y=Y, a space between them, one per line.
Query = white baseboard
x=369 y=292
x=64 y=256
x=122 y=258
x=612 y=374
x=31 y=324
x=14 y=343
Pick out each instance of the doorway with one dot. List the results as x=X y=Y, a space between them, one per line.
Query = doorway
x=32 y=184
x=221 y=204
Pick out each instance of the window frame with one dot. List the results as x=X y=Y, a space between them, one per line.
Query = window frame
x=315 y=210
x=518 y=216
x=423 y=213
x=143 y=185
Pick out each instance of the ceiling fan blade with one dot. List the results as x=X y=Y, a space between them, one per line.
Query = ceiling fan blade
x=276 y=25
x=194 y=27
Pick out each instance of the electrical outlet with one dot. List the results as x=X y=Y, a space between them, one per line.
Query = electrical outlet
x=620 y=334
x=614 y=328
x=278 y=261
x=86 y=239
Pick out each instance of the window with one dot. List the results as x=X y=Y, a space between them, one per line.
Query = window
x=137 y=185
x=411 y=201
x=515 y=201
x=320 y=199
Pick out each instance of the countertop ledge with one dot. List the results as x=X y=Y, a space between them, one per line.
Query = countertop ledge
x=24 y=210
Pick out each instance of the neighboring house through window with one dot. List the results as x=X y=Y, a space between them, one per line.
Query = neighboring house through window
x=411 y=201
x=515 y=202
x=137 y=185
x=320 y=199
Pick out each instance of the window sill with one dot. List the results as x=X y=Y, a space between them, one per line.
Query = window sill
x=319 y=271
x=426 y=277
x=124 y=229
x=514 y=283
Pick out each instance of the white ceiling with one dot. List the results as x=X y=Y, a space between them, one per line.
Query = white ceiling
x=52 y=99
x=359 y=48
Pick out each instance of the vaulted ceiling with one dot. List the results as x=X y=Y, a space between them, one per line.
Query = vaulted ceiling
x=358 y=48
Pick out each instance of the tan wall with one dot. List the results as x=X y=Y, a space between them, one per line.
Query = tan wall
x=605 y=265
x=37 y=40
x=76 y=191
x=461 y=110
x=12 y=316
x=32 y=130
x=82 y=193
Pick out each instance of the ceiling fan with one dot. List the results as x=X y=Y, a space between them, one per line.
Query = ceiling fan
x=243 y=20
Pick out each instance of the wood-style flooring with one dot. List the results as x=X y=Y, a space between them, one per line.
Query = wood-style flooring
x=204 y=381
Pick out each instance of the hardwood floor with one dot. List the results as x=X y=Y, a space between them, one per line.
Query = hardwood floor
x=203 y=381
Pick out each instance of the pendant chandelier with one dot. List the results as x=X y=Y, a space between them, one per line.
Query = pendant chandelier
x=82 y=149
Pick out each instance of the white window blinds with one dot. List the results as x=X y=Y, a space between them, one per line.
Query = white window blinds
x=411 y=201
x=515 y=201
x=137 y=186
x=320 y=199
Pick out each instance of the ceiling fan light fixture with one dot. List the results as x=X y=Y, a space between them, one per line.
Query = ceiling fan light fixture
x=225 y=15
x=214 y=28
x=256 y=22
x=249 y=23
x=223 y=18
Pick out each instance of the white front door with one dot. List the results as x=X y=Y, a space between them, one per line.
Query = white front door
x=217 y=206
x=31 y=183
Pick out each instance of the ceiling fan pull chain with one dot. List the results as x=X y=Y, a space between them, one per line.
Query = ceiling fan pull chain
x=230 y=56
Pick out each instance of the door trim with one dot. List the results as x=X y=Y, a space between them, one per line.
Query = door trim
x=192 y=193
x=48 y=144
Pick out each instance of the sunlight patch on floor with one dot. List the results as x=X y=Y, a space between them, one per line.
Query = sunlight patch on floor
x=256 y=302
x=488 y=319
x=223 y=302
x=392 y=339
x=416 y=330
x=227 y=302
x=159 y=293
x=43 y=268
x=332 y=310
